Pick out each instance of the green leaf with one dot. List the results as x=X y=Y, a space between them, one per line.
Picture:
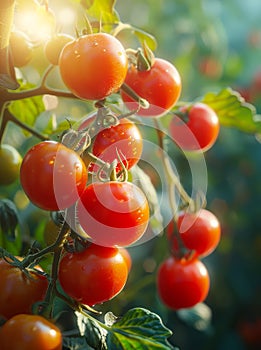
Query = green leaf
x=139 y=329
x=102 y=10
x=140 y=34
x=233 y=111
x=144 y=36
x=27 y=110
x=93 y=333
x=76 y=343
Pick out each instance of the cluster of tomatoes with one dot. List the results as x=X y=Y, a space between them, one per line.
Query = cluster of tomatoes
x=89 y=186
x=183 y=281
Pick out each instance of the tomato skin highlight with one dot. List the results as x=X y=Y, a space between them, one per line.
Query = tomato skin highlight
x=160 y=86
x=52 y=175
x=200 y=132
x=182 y=283
x=125 y=138
x=18 y=292
x=100 y=274
x=93 y=66
x=113 y=213
x=127 y=257
x=199 y=232
x=30 y=332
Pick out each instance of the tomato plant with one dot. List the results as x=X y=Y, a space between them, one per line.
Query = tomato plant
x=52 y=175
x=199 y=231
x=101 y=274
x=20 y=290
x=10 y=162
x=160 y=86
x=200 y=131
x=182 y=283
x=28 y=332
x=107 y=185
x=93 y=66
x=123 y=140
x=113 y=213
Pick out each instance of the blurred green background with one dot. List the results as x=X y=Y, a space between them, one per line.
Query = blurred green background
x=214 y=44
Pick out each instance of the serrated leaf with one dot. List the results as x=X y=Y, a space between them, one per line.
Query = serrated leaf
x=139 y=329
x=27 y=110
x=102 y=10
x=93 y=333
x=233 y=111
x=142 y=180
x=198 y=317
x=76 y=343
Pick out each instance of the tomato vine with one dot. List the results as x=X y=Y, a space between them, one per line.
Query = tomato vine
x=85 y=176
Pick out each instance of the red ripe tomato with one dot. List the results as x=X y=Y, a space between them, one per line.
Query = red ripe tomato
x=125 y=138
x=199 y=232
x=182 y=283
x=201 y=130
x=30 y=332
x=101 y=274
x=160 y=86
x=127 y=257
x=52 y=175
x=113 y=213
x=18 y=292
x=93 y=66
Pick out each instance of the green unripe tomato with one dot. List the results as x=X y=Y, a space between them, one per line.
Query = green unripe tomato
x=10 y=161
x=54 y=47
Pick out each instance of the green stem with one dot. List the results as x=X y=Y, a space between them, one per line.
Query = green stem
x=172 y=179
x=56 y=246
x=130 y=92
x=174 y=186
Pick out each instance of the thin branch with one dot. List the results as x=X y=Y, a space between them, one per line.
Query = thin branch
x=9 y=117
x=38 y=91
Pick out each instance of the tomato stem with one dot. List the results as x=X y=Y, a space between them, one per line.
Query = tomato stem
x=130 y=92
x=174 y=186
